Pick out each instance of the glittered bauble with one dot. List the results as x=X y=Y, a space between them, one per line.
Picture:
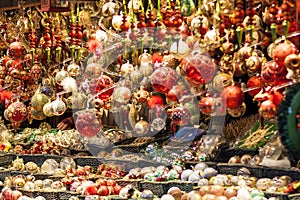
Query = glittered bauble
x=222 y=80
x=206 y=105
x=16 y=113
x=233 y=96
x=181 y=116
x=163 y=79
x=87 y=123
x=37 y=114
x=103 y=87
x=39 y=100
x=16 y=50
x=141 y=127
x=198 y=68
x=36 y=72
x=126 y=69
x=282 y=50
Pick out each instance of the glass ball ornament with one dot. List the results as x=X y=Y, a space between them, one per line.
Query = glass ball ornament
x=121 y=95
x=103 y=87
x=16 y=113
x=267 y=109
x=16 y=50
x=141 y=128
x=58 y=107
x=38 y=101
x=47 y=110
x=37 y=114
x=49 y=166
x=163 y=79
x=282 y=50
x=73 y=69
x=60 y=76
x=233 y=96
x=181 y=116
x=77 y=101
x=207 y=105
x=87 y=123
x=136 y=76
x=110 y=8
x=126 y=69
x=198 y=68
x=93 y=70
x=237 y=112
x=158 y=124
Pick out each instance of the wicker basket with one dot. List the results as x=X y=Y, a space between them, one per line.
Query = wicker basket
x=39 y=159
x=273 y=172
x=6 y=159
x=158 y=188
x=66 y=195
x=280 y=196
x=136 y=183
x=46 y=195
x=224 y=153
x=128 y=165
x=88 y=161
x=188 y=164
x=225 y=168
x=182 y=185
x=294 y=196
x=38 y=176
x=4 y=174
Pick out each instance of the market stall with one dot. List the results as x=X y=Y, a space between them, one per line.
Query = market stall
x=149 y=99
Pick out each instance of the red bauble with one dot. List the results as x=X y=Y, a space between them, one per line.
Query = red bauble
x=198 y=69
x=267 y=109
x=154 y=101
x=16 y=113
x=104 y=82
x=111 y=182
x=163 y=79
x=103 y=191
x=233 y=96
x=206 y=105
x=157 y=57
x=253 y=82
x=276 y=98
x=117 y=189
x=181 y=116
x=176 y=93
x=15 y=195
x=91 y=190
x=16 y=50
x=282 y=50
x=87 y=124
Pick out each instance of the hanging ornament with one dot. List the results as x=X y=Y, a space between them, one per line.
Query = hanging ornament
x=122 y=95
x=233 y=96
x=158 y=124
x=87 y=123
x=237 y=112
x=198 y=68
x=164 y=79
x=47 y=110
x=60 y=76
x=253 y=82
x=38 y=101
x=207 y=105
x=36 y=72
x=16 y=113
x=16 y=50
x=103 y=87
x=37 y=114
x=141 y=128
x=282 y=50
x=181 y=116
x=222 y=80
x=58 y=107
x=126 y=69
x=136 y=76
x=77 y=101
x=73 y=69
x=69 y=85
